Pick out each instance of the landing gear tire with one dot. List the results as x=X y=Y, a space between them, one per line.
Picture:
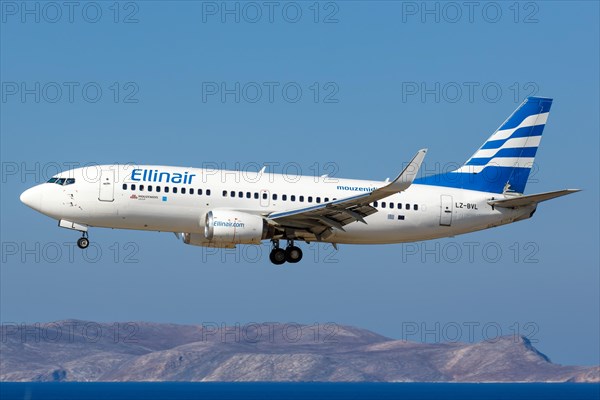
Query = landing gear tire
x=293 y=254
x=83 y=243
x=277 y=256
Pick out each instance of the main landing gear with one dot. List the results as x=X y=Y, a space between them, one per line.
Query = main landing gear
x=291 y=254
x=83 y=241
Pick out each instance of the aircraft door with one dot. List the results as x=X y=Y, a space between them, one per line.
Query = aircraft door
x=446 y=210
x=107 y=185
x=264 y=198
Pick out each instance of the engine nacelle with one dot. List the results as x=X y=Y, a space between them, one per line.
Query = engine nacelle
x=235 y=227
x=198 y=239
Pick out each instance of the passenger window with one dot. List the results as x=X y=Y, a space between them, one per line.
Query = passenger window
x=383 y=204
x=264 y=196
x=310 y=199
x=191 y=190
x=326 y=199
x=166 y=189
x=224 y=193
x=174 y=189
x=141 y=188
x=149 y=188
x=182 y=190
x=124 y=186
x=274 y=196
x=318 y=199
x=256 y=195
x=302 y=199
x=232 y=193
x=293 y=197
x=208 y=192
x=391 y=205
x=241 y=195
x=133 y=186
x=158 y=189
x=407 y=206
x=416 y=207
x=284 y=197
x=199 y=192
x=375 y=204
x=248 y=195
x=399 y=206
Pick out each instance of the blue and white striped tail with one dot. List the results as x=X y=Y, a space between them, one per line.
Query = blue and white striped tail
x=506 y=158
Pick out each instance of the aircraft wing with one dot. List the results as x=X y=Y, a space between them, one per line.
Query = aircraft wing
x=319 y=220
x=531 y=199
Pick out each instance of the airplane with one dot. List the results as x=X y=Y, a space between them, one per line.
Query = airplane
x=205 y=208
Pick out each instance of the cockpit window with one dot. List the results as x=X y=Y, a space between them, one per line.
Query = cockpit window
x=62 y=181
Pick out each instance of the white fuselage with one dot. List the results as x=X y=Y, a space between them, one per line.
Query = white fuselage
x=105 y=196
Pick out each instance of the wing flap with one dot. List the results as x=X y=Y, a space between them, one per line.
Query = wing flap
x=336 y=214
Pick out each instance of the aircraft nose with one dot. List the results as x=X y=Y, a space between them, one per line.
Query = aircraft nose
x=32 y=198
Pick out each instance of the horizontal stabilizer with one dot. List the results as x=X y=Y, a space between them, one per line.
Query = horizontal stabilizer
x=530 y=199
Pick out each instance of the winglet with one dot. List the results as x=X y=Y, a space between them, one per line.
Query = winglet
x=407 y=176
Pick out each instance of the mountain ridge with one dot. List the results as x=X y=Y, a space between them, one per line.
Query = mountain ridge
x=76 y=350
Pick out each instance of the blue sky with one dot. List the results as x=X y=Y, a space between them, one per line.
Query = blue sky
x=377 y=81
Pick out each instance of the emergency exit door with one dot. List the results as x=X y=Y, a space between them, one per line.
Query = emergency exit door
x=446 y=210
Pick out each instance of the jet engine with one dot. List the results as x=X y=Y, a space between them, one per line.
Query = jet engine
x=226 y=228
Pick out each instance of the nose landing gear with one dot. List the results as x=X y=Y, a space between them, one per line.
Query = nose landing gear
x=291 y=254
x=83 y=242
